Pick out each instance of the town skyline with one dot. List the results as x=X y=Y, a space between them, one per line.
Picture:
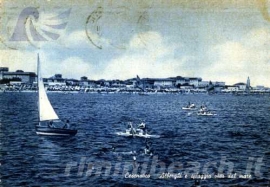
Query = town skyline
x=27 y=81
x=136 y=77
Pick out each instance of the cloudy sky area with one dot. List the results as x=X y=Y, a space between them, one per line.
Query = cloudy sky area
x=219 y=41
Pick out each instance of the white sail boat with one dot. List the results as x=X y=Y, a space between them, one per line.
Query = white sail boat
x=143 y=90
x=49 y=122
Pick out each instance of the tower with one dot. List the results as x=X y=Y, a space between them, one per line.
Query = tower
x=248 y=85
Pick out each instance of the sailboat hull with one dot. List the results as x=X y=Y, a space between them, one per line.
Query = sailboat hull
x=40 y=130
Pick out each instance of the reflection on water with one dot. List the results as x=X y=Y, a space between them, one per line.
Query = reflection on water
x=239 y=132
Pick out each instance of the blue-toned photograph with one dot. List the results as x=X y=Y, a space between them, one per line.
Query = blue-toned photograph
x=135 y=93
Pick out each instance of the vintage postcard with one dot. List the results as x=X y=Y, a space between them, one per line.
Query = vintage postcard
x=135 y=93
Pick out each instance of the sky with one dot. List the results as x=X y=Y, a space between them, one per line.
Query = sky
x=218 y=41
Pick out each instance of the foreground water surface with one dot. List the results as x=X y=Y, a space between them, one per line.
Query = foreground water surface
x=236 y=141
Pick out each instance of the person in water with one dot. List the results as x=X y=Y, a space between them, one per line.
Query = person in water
x=66 y=126
x=142 y=125
x=192 y=105
x=202 y=109
x=148 y=149
x=129 y=125
x=142 y=128
x=131 y=129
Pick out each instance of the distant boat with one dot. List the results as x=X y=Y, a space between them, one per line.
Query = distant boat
x=143 y=91
x=140 y=135
x=133 y=132
x=49 y=122
x=189 y=107
x=206 y=113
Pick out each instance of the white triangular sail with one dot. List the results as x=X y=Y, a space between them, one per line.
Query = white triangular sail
x=46 y=111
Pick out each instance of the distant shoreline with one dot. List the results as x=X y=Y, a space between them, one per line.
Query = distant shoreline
x=162 y=92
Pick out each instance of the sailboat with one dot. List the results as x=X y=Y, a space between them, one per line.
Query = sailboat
x=49 y=122
x=143 y=91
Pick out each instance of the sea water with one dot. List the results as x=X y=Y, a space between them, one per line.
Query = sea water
x=230 y=148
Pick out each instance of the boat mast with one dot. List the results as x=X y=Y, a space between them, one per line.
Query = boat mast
x=46 y=111
x=38 y=76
